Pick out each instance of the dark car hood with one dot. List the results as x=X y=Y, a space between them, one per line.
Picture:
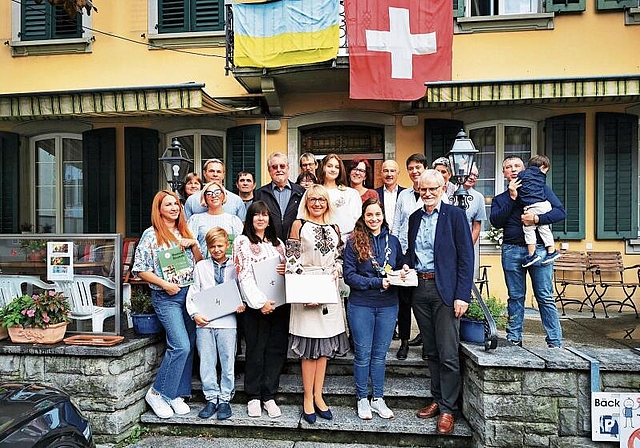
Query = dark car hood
x=20 y=402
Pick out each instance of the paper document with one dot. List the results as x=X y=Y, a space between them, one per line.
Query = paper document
x=311 y=288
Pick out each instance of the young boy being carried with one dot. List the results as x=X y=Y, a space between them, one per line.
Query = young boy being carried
x=534 y=200
x=215 y=337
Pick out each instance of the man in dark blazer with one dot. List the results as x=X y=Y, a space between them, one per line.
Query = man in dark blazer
x=441 y=250
x=389 y=191
x=282 y=196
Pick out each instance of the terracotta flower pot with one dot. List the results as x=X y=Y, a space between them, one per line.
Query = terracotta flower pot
x=34 y=256
x=52 y=334
x=4 y=334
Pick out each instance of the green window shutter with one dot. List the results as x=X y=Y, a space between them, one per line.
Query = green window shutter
x=180 y=16
x=172 y=17
x=207 y=15
x=564 y=141
x=44 y=21
x=99 y=180
x=243 y=150
x=617 y=179
x=458 y=8
x=609 y=5
x=564 y=5
x=141 y=177
x=439 y=136
x=9 y=182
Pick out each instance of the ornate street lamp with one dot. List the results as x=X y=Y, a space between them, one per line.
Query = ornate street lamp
x=461 y=162
x=176 y=164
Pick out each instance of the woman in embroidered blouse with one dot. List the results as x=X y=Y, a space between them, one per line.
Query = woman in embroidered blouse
x=169 y=230
x=372 y=310
x=213 y=197
x=317 y=330
x=358 y=176
x=345 y=201
x=265 y=328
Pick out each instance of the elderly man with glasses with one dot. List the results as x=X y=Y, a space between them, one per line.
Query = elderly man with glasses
x=214 y=171
x=441 y=251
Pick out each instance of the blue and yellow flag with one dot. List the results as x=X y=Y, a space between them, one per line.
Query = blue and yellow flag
x=285 y=32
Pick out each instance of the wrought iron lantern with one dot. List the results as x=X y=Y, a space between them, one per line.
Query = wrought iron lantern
x=461 y=162
x=176 y=164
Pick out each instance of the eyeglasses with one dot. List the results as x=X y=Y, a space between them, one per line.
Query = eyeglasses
x=317 y=200
x=359 y=170
x=211 y=193
x=432 y=190
x=282 y=166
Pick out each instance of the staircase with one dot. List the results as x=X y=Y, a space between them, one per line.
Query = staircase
x=406 y=390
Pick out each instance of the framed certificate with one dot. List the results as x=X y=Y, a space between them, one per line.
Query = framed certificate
x=218 y=300
x=269 y=281
x=311 y=288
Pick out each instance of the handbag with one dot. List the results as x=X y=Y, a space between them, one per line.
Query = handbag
x=403 y=278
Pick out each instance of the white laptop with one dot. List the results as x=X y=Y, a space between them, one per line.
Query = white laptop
x=269 y=281
x=218 y=300
x=311 y=288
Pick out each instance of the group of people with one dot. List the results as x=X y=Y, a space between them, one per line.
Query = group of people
x=332 y=224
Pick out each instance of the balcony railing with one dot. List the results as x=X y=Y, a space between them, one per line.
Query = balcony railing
x=343 y=49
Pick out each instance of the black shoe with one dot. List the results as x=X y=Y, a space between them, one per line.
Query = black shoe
x=309 y=418
x=327 y=415
x=403 y=351
x=396 y=336
x=208 y=410
x=416 y=342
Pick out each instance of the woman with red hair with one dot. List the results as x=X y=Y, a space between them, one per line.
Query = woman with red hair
x=169 y=235
x=358 y=176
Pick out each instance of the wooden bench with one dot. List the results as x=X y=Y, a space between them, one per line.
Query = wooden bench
x=572 y=269
x=608 y=271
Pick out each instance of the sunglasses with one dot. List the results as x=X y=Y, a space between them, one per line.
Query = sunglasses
x=211 y=193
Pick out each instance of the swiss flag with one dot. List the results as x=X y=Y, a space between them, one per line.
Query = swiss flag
x=395 y=46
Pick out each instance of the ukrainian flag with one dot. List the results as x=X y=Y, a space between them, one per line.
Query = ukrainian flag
x=285 y=32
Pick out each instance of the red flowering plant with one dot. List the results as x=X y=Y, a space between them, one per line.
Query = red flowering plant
x=39 y=310
x=29 y=247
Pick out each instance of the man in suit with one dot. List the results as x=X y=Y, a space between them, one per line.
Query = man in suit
x=389 y=191
x=281 y=195
x=441 y=251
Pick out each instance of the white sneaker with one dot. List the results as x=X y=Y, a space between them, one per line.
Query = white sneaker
x=272 y=409
x=364 y=409
x=159 y=406
x=253 y=408
x=179 y=406
x=380 y=407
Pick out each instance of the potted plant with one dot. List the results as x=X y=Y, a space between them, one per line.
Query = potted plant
x=145 y=320
x=472 y=323
x=495 y=236
x=26 y=227
x=35 y=250
x=41 y=318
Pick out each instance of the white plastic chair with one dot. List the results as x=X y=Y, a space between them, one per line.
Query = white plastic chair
x=78 y=291
x=11 y=286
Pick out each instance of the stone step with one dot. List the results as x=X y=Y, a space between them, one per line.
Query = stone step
x=403 y=430
x=408 y=392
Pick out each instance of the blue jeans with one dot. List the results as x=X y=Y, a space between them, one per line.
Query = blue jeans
x=214 y=342
x=372 y=330
x=515 y=277
x=174 y=376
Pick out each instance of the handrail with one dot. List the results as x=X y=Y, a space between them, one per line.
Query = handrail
x=490 y=328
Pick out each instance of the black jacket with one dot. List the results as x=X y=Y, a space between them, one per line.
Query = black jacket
x=281 y=223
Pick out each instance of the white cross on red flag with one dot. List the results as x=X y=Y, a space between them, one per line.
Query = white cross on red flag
x=395 y=46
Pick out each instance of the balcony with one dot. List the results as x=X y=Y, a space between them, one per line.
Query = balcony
x=328 y=76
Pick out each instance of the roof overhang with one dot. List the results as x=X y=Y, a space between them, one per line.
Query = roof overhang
x=530 y=91
x=180 y=99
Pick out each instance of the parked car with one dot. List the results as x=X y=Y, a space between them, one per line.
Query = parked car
x=39 y=416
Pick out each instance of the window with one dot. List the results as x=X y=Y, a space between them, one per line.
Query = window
x=184 y=16
x=501 y=7
x=494 y=142
x=58 y=179
x=201 y=145
x=47 y=29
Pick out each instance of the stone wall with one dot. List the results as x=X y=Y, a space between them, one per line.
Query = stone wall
x=539 y=397
x=107 y=383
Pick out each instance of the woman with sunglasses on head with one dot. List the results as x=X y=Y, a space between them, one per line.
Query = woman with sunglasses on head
x=358 y=176
x=169 y=232
x=317 y=330
x=345 y=201
x=266 y=328
x=372 y=310
x=213 y=196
